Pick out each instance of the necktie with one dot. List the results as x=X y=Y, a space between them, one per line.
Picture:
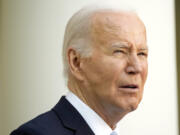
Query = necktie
x=114 y=133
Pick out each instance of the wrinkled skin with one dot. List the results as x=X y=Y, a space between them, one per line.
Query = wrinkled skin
x=118 y=61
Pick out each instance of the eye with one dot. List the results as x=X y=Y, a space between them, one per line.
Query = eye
x=142 y=54
x=119 y=51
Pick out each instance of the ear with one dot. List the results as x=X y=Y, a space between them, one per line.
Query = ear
x=74 y=60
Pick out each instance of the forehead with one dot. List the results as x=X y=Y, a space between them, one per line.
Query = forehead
x=122 y=26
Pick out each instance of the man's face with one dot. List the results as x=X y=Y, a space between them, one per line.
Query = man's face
x=116 y=72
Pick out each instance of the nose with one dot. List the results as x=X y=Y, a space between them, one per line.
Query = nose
x=133 y=65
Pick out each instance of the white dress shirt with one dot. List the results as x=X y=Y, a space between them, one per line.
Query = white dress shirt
x=95 y=122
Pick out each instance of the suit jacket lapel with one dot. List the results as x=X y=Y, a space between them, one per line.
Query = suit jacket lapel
x=71 y=118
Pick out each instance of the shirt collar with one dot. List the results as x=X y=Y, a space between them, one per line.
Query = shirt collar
x=95 y=122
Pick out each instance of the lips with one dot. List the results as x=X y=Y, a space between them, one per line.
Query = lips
x=130 y=88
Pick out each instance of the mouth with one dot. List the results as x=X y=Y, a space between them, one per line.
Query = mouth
x=129 y=88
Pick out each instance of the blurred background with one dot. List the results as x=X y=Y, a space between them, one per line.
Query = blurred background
x=31 y=79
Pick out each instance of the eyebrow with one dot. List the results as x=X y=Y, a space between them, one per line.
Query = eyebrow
x=126 y=46
x=144 y=49
x=120 y=45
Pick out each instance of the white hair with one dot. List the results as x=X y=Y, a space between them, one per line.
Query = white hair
x=77 y=33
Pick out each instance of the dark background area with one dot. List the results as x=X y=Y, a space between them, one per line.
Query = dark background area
x=177 y=8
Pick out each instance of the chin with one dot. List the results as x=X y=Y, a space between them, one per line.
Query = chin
x=132 y=106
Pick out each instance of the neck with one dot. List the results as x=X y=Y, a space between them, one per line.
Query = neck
x=110 y=116
x=75 y=88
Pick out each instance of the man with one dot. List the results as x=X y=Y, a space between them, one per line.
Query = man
x=105 y=60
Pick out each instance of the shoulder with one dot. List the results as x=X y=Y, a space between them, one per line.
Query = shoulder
x=44 y=124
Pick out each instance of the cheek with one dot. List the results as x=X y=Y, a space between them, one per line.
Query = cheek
x=105 y=70
x=144 y=76
x=144 y=72
x=111 y=67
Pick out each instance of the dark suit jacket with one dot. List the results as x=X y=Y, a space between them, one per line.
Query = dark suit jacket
x=63 y=119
